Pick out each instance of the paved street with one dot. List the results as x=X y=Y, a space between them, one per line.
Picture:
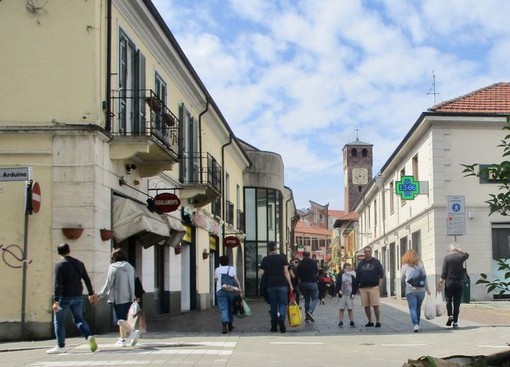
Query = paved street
x=194 y=339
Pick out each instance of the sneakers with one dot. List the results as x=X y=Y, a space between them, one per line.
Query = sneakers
x=92 y=343
x=450 y=320
x=341 y=324
x=377 y=324
x=230 y=327
x=56 y=350
x=134 y=337
x=369 y=324
x=120 y=343
x=309 y=316
x=352 y=324
x=416 y=328
x=274 y=328
x=455 y=325
x=225 y=329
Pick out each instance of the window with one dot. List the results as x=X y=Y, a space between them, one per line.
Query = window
x=131 y=108
x=402 y=174
x=190 y=164
x=160 y=90
x=415 y=167
x=364 y=152
x=392 y=197
x=354 y=152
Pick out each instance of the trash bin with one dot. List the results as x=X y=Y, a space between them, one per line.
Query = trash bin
x=466 y=289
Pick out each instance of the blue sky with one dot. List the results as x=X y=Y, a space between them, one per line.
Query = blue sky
x=298 y=77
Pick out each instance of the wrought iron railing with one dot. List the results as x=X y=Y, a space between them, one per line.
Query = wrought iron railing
x=229 y=212
x=140 y=112
x=240 y=221
x=200 y=169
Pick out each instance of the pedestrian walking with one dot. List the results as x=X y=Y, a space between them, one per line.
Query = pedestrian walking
x=69 y=273
x=294 y=278
x=321 y=284
x=276 y=269
x=346 y=288
x=452 y=276
x=369 y=277
x=226 y=294
x=307 y=272
x=120 y=290
x=412 y=268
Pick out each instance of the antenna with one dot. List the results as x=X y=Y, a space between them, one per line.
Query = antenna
x=432 y=89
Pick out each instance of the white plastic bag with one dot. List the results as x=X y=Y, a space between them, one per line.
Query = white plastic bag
x=440 y=304
x=430 y=308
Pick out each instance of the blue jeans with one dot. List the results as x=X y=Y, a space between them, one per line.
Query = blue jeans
x=226 y=304
x=414 y=301
x=75 y=305
x=310 y=292
x=278 y=301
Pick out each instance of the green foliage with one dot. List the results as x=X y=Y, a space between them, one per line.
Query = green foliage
x=498 y=286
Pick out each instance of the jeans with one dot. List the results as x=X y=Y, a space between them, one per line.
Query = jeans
x=453 y=293
x=310 y=293
x=75 y=305
x=226 y=304
x=414 y=301
x=278 y=301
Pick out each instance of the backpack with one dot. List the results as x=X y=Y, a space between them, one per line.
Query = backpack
x=416 y=278
x=228 y=280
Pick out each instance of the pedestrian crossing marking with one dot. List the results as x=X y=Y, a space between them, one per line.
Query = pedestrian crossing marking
x=298 y=343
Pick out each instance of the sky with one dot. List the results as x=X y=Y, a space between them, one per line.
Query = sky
x=303 y=78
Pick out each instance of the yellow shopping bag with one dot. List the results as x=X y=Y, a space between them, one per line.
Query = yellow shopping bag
x=294 y=314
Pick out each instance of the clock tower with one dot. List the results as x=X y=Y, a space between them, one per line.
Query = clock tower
x=358 y=162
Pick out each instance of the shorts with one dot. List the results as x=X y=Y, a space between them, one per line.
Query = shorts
x=370 y=296
x=346 y=302
x=121 y=310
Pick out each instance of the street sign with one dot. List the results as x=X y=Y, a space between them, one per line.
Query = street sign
x=456 y=219
x=36 y=197
x=15 y=174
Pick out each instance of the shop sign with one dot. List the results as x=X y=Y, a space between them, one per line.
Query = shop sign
x=166 y=202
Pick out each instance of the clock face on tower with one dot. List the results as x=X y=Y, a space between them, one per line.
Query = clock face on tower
x=359 y=176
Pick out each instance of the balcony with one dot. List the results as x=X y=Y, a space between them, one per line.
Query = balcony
x=229 y=212
x=200 y=178
x=144 y=130
x=240 y=221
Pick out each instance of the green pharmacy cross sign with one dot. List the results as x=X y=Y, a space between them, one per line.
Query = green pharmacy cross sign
x=407 y=188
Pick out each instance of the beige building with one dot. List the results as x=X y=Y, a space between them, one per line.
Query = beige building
x=449 y=207
x=102 y=105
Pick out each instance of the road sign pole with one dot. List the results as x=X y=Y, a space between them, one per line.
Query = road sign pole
x=24 y=262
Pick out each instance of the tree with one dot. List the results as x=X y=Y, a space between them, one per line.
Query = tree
x=498 y=203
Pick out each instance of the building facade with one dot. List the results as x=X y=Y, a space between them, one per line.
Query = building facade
x=129 y=150
x=465 y=130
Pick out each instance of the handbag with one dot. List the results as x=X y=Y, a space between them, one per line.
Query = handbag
x=136 y=317
x=293 y=311
x=430 y=308
x=416 y=278
x=440 y=304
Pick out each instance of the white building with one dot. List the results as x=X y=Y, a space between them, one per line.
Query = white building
x=465 y=130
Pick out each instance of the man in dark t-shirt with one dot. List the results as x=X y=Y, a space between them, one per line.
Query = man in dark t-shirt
x=275 y=268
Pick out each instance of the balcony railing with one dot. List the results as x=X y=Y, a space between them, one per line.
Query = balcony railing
x=216 y=207
x=140 y=112
x=240 y=221
x=198 y=170
x=229 y=212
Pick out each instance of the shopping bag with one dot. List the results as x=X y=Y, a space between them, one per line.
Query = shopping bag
x=430 y=308
x=440 y=304
x=294 y=314
x=136 y=317
x=247 y=310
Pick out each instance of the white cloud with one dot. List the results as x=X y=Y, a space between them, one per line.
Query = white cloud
x=296 y=77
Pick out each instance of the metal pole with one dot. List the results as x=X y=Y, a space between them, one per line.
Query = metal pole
x=24 y=262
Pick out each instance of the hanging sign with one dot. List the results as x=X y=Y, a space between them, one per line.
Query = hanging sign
x=166 y=202
x=407 y=188
x=231 y=241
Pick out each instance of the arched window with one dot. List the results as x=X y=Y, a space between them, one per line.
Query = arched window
x=364 y=152
x=354 y=152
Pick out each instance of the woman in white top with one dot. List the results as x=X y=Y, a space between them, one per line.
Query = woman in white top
x=226 y=294
x=414 y=295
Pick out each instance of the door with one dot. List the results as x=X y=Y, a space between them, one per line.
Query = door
x=500 y=251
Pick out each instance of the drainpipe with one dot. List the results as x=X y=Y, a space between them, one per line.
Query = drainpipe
x=200 y=135
x=108 y=104
x=224 y=206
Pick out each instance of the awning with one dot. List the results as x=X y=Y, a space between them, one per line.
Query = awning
x=177 y=231
x=131 y=218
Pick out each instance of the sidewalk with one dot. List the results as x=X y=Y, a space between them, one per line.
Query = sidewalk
x=394 y=319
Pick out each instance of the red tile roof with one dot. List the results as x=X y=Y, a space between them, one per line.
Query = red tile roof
x=305 y=227
x=494 y=99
